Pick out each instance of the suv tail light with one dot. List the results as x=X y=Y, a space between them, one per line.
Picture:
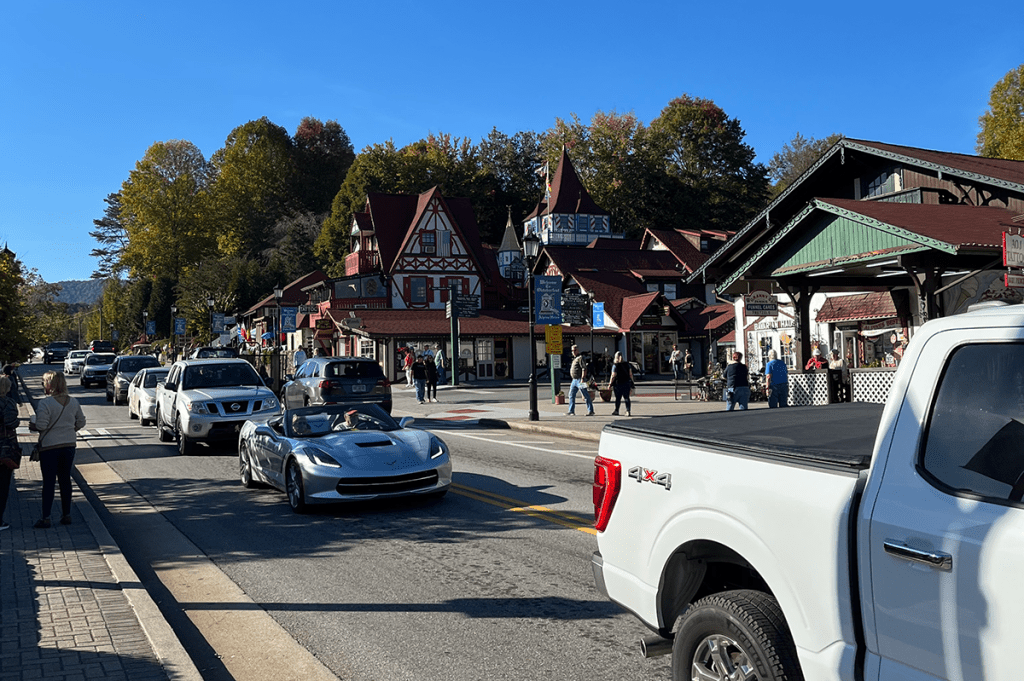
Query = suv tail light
x=383 y=386
x=607 y=481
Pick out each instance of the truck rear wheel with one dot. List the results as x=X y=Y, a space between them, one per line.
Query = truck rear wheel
x=734 y=635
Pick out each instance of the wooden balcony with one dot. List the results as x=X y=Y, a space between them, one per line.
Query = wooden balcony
x=361 y=262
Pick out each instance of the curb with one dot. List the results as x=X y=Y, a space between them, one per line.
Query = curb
x=166 y=646
x=533 y=427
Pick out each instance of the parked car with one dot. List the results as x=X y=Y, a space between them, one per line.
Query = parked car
x=57 y=351
x=332 y=380
x=208 y=400
x=211 y=352
x=849 y=541
x=142 y=394
x=121 y=373
x=343 y=452
x=101 y=346
x=74 y=361
x=95 y=368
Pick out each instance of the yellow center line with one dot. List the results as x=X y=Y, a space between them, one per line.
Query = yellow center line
x=571 y=520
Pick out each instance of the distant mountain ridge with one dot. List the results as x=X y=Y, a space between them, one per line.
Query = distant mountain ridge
x=88 y=291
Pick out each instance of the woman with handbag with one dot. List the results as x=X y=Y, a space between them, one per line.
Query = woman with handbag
x=58 y=418
x=10 y=450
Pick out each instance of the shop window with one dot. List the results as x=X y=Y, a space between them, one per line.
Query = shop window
x=972 y=443
x=428 y=243
x=367 y=348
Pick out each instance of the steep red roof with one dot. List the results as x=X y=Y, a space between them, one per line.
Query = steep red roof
x=634 y=306
x=616 y=244
x=712 y=318
x=609 y=288
x=858 y=307
x=1002 y=169
x=959 y=226
x=678 y=245
x=568 y=195
x=391 y=215
x=292 y=294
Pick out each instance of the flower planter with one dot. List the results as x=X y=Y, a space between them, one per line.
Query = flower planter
x=559 y=399
x=606 y=395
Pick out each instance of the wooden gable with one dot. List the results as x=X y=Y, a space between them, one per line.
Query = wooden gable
x=434 y=242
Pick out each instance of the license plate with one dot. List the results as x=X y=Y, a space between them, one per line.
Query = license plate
x=359 y=388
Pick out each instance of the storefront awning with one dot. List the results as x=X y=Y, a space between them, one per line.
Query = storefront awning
x=859 y=308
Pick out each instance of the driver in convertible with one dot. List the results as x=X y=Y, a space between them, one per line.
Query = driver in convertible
x=352 y=419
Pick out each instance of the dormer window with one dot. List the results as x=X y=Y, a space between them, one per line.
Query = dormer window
x=428 y=243
x=885 y=182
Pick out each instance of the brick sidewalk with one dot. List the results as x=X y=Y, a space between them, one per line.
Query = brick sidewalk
x=63 y=614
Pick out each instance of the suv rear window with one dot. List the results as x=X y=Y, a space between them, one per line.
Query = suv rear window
x=100 y=359
x=353 y=370
x=132 y=364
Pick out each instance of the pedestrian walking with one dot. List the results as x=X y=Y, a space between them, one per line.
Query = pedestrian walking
x=441 y=362
x=688 y=365
x=676 y=360
x=409 y=361
x=298 y=359
x=737 y=384
x=776 y=381
x=431 y=379
x=10 y=450
x=578 y=373
x=11 y=372
x=58 y=418
x=418 y=371
x=621 y=383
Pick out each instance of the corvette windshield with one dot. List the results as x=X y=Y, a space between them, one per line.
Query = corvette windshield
x=220 y=376
x=319 y=421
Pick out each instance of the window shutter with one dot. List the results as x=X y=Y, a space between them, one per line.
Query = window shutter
x=407 y=291
x=430 y=290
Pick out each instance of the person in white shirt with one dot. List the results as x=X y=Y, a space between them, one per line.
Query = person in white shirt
x=299 y=358
x=58 y=418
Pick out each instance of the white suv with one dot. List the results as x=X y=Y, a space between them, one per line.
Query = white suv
x=208 y=400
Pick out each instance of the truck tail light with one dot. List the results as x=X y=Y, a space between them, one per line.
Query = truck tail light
x=607 y=481
x=323 y=385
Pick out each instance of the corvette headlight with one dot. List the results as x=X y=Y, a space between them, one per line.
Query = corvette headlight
x=198 y=408
x=437 y=448
x=269 y=403
x=321 y=457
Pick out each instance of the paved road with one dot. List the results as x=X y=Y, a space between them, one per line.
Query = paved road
x=491 y=582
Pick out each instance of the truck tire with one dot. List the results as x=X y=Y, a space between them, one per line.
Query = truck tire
x=734 y=635
x=161 y=431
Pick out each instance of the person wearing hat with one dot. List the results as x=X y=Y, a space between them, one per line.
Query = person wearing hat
x=815 y=362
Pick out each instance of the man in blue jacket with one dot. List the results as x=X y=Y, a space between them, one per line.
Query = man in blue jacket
x=776 y=381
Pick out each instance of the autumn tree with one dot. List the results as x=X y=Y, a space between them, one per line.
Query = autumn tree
x=15 y=327
x=796 y=156
x=511 y=162
x=1002 y=125
x=323 y=155
x=252 y=191
x=164 y=210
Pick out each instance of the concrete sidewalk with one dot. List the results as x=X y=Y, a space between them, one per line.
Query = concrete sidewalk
x=71 y=608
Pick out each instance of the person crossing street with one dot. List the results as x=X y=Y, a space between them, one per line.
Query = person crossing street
x=578 y=373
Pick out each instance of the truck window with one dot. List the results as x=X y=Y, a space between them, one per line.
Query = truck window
x=974 y=443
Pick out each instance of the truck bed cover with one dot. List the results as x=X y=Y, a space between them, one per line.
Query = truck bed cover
x=836 y=435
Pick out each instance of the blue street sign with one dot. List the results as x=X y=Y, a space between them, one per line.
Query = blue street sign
x=597 y=320
x=179 y=326
x=116 y=335
x=547 y=306
x=288 y=319
x=151 y=328
x=218 y=322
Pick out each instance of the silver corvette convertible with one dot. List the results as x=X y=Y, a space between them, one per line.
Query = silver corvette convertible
x=335 y=453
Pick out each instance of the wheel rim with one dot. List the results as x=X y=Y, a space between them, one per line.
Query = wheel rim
x=245 y=468
x=719 y=658
x=294 y=485
x=182 y=444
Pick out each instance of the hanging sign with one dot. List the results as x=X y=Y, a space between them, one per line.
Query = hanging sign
x=548 y=300
x=218 y=322
x=1014 y=281
x=179 y=326
x=288 y=319
x=760 y=304
x=574 y=308
x=151 y=328
x=1013 y=250
x=597 y=316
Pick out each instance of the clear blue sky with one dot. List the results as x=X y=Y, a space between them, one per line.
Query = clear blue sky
x=87 y=87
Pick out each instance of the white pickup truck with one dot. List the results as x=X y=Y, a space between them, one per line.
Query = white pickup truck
x=842 y=542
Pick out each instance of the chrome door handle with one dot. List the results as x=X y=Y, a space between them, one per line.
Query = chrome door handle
x=942 y=561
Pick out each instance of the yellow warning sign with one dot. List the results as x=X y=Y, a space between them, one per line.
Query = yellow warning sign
x=553 y=339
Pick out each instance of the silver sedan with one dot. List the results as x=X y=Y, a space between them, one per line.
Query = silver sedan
x=142 y=394
x=335 y=453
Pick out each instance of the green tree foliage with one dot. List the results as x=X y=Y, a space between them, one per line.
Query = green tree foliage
x=223 y=280
x=16 y=341
x=716 y=180
x=164 y=210
x=112 y=237
x=255 y=176
x=48 y=319
x=1002 y=125
x=323 y=155
x=511 y=163
x=796 y=156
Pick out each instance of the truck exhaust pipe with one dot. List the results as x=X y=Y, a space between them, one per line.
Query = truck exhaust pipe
x=655 y=646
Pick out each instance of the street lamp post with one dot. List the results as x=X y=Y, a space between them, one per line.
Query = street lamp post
x=209 y=303
x=531 y=246
x=111 y=332
x=276 y=361
x=145 y=324
x=174 y=340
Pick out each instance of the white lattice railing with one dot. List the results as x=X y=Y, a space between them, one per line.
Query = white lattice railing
x=871 y=385
x=808 y=389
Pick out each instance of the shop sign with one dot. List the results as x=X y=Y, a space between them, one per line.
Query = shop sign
x=352 y=322
x=309 y=309
x=773 y=324
x=287 y=319
x=574 y=308
x=324 y=324
x=1014 y=280
x=467 y=305
x=1013 y=250
x=760 y=304
x=882 y=324
x=553 y=339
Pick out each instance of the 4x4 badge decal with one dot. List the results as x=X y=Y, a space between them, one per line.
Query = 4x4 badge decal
x=641 y=474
